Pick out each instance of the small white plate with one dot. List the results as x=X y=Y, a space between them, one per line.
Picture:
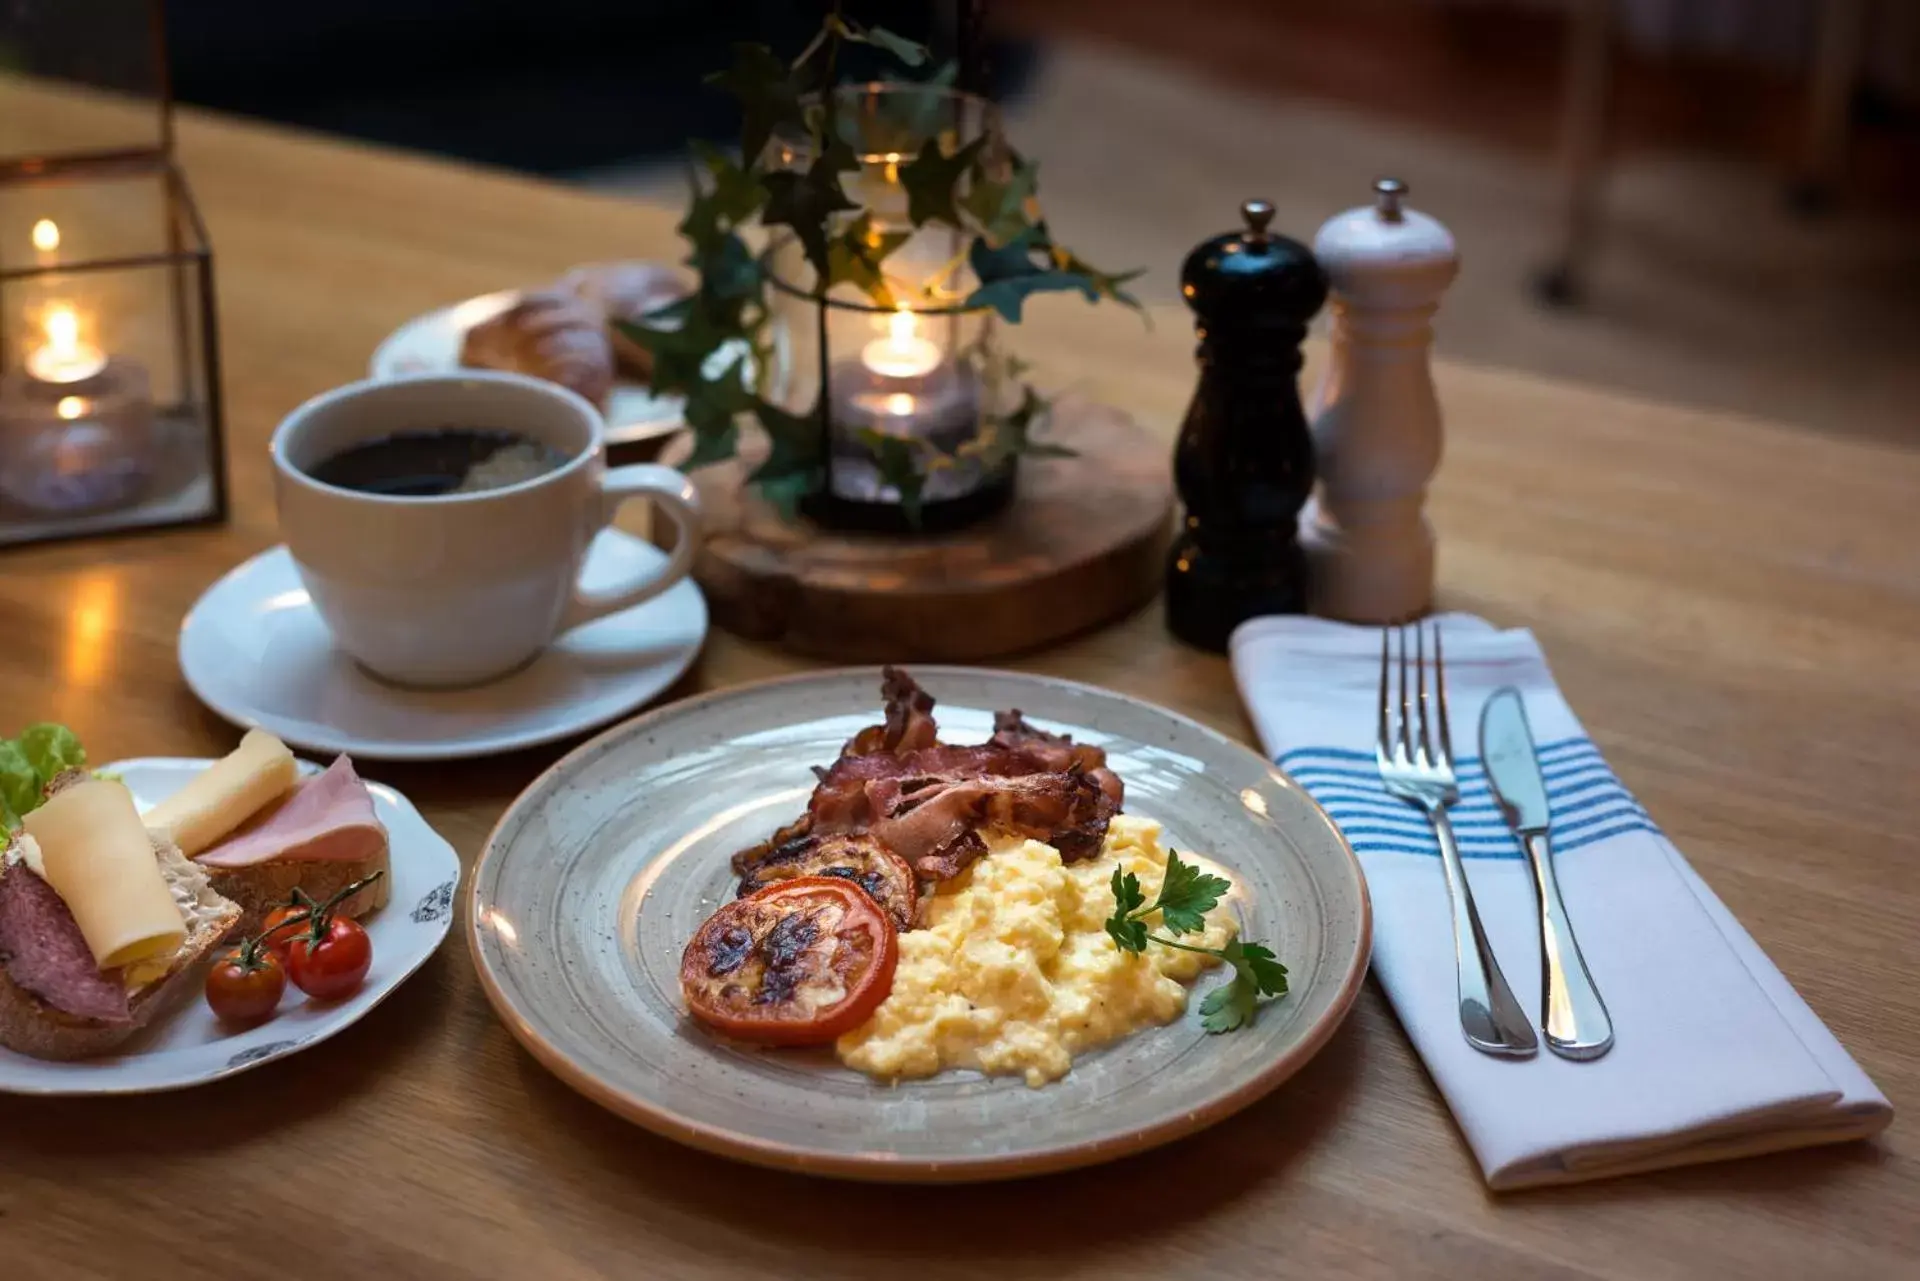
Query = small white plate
x=430 y=344
x=253 y=649
x=191 y=1047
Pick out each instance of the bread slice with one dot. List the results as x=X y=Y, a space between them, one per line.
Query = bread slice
x=30 y=1026
x=264 y=886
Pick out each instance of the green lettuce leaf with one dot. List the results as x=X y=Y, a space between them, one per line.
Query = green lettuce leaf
x=28 y=763
x=19 y=784
x=51 y=748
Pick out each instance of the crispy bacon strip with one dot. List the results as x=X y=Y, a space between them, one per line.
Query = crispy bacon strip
x=926 y=801
x=1056 y=752
x=909 y=726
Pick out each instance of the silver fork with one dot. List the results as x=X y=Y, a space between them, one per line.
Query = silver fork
x=1416 y=764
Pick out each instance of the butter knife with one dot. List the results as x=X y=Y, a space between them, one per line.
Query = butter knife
x=1572 y=1014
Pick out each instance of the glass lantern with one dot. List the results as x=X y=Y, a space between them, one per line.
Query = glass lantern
x=913 y=365
x=109 y=374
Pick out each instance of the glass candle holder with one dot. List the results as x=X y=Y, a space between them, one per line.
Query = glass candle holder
x=110 y=413
x=900 y=358
x=78 y=444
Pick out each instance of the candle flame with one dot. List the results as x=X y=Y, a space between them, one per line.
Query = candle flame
x=899 y=404
x=46 y=235
x=66 y=357
x=63 y=329
x=900 y=327
x=71 y=407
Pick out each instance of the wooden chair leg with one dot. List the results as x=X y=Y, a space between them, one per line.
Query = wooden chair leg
x=1583 y=130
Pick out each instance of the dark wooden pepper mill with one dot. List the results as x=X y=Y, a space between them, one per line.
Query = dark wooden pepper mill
x=1244 y=460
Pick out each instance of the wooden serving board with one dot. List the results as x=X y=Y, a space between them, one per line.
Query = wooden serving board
x=1083 y=542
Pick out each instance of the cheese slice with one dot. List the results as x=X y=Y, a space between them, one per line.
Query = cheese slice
x=99 y=859
x=227 y=793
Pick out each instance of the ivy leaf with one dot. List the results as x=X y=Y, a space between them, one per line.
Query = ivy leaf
x=730 y=276
x=999 y=206
x=737 y=193
x=768 y=92
x=854 y=257
x=1104 y=285
x=907 y=51
x=930 y=179
x=1017 y=428
x=712 y=413
x=1008 y=275
x=679 y=354
x=793 y=467
x=804 y=201
x=898 y=459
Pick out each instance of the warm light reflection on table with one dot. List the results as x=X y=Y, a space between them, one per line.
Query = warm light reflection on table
x=96 y=607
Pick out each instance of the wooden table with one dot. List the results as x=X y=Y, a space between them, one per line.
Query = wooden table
x=1732 y=605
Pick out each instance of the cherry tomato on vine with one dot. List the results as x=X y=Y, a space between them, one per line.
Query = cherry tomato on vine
x=336 y=965
x=282 y=925
x=245 y=985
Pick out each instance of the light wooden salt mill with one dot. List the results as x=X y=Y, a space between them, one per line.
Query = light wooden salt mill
x=1376 y=422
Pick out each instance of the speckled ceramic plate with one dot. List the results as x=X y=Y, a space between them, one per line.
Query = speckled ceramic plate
x=598 y=874
x=188 y=1046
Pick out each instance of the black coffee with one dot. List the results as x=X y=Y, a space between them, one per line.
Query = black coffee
x=443 y=460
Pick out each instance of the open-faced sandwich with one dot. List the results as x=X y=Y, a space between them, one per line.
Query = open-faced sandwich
x=262 y=832
x=102 y=923
x=107 y=914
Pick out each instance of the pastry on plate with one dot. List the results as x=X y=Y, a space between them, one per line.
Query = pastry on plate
x=550 y=334
x=626 y=292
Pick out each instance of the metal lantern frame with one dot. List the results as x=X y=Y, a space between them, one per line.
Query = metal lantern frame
x=185 y=256
x=821 y=334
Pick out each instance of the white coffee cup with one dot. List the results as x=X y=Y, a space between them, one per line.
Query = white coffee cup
x=458 y=589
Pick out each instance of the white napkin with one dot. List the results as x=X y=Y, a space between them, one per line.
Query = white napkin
x=1715 y=1055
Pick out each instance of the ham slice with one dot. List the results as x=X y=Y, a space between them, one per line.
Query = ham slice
x=327 y=818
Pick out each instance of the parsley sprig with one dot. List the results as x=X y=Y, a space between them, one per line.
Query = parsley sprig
x=1187 y=894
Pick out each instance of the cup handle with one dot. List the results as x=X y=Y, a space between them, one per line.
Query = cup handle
x=671 y=493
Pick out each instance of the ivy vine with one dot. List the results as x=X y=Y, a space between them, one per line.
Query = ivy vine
x=709 y=346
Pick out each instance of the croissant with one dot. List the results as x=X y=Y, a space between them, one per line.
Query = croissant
x=549 y=334
x=625 y=291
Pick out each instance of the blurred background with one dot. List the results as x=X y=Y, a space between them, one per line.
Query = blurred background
x=1707 y=201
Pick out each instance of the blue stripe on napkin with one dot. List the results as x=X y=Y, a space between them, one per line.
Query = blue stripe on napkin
x=1589 y=803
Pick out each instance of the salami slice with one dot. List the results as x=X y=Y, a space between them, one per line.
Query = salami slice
x=44 y=952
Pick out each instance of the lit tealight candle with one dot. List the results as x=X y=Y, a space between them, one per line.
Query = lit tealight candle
x=903 y=353
x=46 y=240
x=64 y=358
x=77 y=428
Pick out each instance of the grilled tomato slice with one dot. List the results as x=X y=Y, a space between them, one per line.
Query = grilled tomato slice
x=796 y=963
x=859 y=858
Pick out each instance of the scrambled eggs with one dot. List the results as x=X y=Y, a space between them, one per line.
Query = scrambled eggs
x=1014 y=971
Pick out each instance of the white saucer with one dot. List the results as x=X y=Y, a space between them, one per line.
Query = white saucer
x=253 y=649
x=430 y=344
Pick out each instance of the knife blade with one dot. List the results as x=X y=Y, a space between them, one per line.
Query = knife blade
x=1513 y=767
x=1572 y=1014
